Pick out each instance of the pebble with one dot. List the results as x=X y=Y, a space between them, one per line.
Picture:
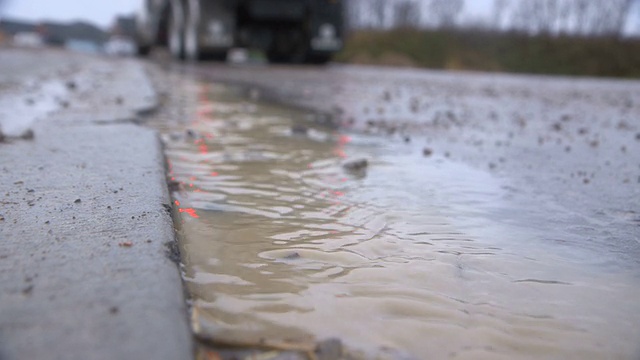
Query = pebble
x=292 y=256
x=426 y=152
x=174 y=186
x=299 y=130
x=356 y=164
x=27 y=135
x=329 y=349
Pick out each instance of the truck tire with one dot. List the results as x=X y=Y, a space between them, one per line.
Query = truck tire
x=176 y=31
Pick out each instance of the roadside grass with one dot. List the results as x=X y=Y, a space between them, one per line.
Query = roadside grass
x=494 y=51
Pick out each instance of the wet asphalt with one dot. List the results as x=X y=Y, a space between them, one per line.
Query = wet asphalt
x=567 y=147
x=545 y=169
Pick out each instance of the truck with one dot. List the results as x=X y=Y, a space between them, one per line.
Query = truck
x=287 y=31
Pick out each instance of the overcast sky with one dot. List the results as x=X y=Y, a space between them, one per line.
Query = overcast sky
x=102 y=12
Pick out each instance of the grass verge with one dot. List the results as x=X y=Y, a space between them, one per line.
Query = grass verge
x=494 y=51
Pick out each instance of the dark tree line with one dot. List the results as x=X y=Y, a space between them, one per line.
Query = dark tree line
x=553 y=17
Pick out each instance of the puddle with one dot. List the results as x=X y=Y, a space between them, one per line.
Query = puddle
x=410 y=257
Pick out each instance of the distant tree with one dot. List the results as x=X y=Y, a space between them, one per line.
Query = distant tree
x=378 y=10
x=352 y=14
x=406 y=14
x=445 y=13
x=615 y=17
x=601 y=17
x=499 y=9
x=580 y=17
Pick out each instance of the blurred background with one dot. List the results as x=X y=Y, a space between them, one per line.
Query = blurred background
x=573 y=37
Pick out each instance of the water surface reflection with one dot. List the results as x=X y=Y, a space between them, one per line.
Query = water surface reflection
x=413 y=256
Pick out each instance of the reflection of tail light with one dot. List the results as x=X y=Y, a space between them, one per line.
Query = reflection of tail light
x=203 y=149
x=344 y=139
x=190 y=211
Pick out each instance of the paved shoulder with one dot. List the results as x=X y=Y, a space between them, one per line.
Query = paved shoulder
x=84 y=271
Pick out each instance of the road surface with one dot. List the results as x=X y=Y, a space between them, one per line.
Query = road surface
x=496 y=216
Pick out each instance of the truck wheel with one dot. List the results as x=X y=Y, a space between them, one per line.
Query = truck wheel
x=176 y=32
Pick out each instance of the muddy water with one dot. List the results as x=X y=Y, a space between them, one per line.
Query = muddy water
x=411 y=257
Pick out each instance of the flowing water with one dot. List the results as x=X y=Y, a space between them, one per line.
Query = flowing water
x=412 y=256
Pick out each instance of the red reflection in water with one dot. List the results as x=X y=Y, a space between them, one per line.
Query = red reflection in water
x=203 y=149
x=170 y=166
x=339 y=149
x=340 y=153
x=214 y=173
x=344 y=139
x=177 y=203
x=338 y=193
x=204 y=113
x=190 y=211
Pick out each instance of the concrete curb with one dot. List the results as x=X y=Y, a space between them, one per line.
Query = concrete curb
x=84 y=228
